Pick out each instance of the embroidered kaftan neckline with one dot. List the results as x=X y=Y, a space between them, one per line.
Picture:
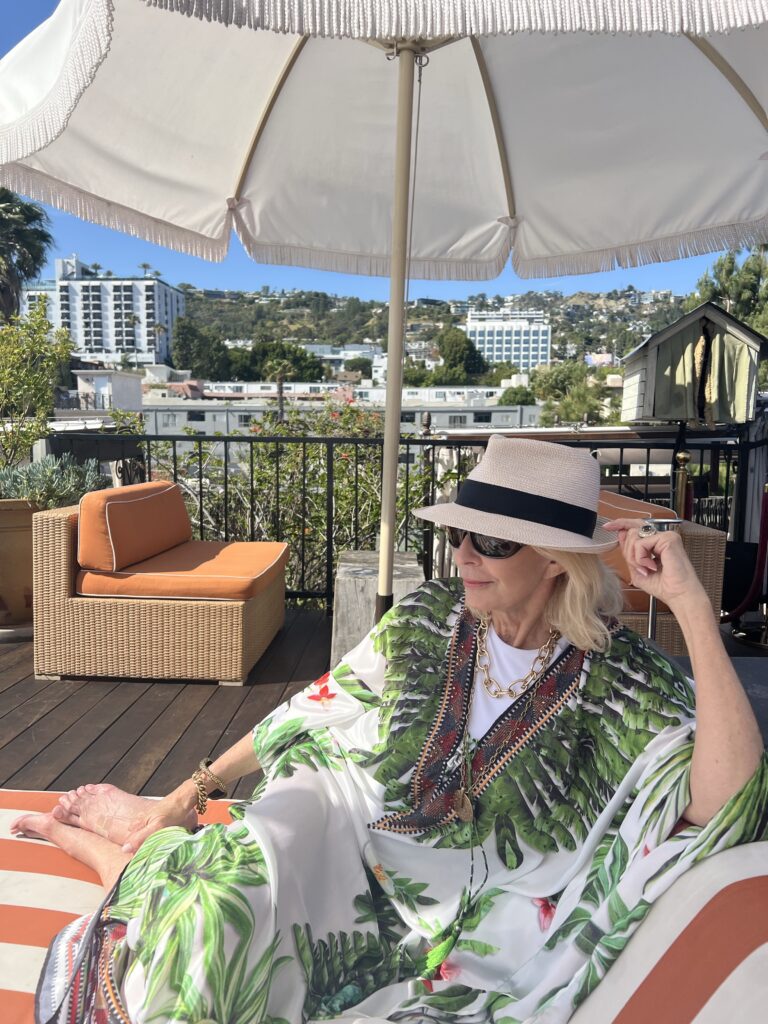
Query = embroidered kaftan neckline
x=436 y=777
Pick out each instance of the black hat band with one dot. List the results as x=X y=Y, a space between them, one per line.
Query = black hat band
x=534 y=508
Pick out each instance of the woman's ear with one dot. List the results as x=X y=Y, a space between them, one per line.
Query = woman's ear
x=553 y=570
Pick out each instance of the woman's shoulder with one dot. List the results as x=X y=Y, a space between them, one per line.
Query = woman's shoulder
x=433 y=599
x=631 y=657
x=428 y=612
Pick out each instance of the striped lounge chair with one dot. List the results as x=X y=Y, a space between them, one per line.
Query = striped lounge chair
x=701 y=957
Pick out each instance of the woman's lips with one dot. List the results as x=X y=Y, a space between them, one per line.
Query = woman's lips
x=476 y=583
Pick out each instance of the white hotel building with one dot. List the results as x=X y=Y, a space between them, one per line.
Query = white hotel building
x=520 y=336
x=110 y=317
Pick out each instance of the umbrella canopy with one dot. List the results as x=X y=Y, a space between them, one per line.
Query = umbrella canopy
x=572 y=136
x=573 y=151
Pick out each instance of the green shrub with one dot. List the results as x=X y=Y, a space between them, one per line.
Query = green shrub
x=52 y=482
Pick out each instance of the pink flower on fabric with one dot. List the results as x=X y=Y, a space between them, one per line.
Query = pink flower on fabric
x=646 y=850
x=546 y=911
x=448 y=971
x=427 y=984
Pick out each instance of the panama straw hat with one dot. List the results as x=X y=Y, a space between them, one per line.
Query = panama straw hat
x=532 y=492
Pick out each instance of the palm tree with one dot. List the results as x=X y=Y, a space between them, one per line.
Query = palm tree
x=159 y=330
x=24 y=243
x=146 y=267
x=280 y=370
x=96 y=267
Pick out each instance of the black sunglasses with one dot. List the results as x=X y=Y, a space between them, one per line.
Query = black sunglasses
x=490 y=547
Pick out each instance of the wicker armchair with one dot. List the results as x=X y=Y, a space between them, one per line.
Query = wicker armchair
x=705 y=548
x=139 y=638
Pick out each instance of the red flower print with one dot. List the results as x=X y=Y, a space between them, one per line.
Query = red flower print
x=427 y=984
x=323 y=695
x=546 y=911
x=646 y=850
x=448 y=971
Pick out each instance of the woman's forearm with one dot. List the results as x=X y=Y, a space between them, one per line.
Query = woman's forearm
x=728 y=745
x=235 y=762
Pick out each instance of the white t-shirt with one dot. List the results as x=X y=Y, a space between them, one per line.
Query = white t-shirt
x=507 y=663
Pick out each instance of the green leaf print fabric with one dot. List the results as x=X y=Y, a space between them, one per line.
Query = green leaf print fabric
x=302 y=910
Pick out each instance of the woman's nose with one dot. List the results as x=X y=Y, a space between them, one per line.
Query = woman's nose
x=465 y=552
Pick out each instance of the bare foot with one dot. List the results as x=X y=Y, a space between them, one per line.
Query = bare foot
x=106 y=858
x=112 y=813
x=33 y=826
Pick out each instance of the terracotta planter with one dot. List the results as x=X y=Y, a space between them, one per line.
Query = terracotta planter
x=15 y=561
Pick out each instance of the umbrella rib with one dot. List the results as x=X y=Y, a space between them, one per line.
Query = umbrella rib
x=729 y=73
x=269 y=107
x=496 y=121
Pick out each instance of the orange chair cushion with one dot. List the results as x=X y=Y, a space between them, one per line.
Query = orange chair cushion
x=621 y=506
x=124 y=525
x=207 y=570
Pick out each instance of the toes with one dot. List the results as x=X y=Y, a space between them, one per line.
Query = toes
x=66 y=816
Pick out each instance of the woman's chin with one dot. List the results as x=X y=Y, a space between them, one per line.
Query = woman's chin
x=478 y=599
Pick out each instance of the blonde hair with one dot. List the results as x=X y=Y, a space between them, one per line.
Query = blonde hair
x=585 y=594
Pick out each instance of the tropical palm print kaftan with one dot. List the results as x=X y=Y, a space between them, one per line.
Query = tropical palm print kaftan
x=348 y=888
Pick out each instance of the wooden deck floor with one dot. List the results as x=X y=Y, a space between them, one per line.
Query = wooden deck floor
x=144 y=737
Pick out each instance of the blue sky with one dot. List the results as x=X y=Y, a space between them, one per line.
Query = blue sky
x=122 y=254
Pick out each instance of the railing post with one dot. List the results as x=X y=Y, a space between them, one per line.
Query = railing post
x=329 y=526
x=682 y=504
x=742 y=486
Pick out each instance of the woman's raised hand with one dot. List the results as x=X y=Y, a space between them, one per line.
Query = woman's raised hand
x=658 y=563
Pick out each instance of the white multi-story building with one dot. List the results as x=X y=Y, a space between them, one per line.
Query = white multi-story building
x=233 y=408
x=519 y=336
x=110 y=317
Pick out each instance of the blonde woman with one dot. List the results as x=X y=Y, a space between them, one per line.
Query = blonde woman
x=465 y=821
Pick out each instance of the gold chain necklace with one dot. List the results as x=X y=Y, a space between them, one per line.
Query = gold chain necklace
x=517 y=687
x=464 y=796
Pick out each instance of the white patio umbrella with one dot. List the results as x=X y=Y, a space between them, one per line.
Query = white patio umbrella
x=575 y=135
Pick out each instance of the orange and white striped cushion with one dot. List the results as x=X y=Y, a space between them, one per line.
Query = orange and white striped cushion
x=41 y=890
x=701 y=955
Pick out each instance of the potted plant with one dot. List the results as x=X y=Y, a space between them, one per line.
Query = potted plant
x=32 y=355
x=24 y=490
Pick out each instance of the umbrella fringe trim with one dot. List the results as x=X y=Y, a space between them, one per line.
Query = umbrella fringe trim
x=111 y=215
x=370 y=265
x=429 y=19
x=40 y=126
x=131 y=222
x=701 y=242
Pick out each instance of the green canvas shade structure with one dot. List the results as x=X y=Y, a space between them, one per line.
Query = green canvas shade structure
x=562 y=135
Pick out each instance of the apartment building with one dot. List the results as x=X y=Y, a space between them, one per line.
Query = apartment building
x=111 y=319
x=233 y=411
x=522 y=337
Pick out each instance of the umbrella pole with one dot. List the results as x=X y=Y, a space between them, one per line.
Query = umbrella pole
x=398 y=269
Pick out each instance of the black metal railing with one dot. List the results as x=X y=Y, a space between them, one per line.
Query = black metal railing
x=322 y=494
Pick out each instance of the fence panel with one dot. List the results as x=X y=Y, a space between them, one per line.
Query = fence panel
x=322 y=495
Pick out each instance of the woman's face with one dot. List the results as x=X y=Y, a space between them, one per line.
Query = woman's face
x=504 y=585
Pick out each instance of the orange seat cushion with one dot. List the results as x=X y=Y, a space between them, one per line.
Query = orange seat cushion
x=124 y=525
x=621 y=506
x=198 y=570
